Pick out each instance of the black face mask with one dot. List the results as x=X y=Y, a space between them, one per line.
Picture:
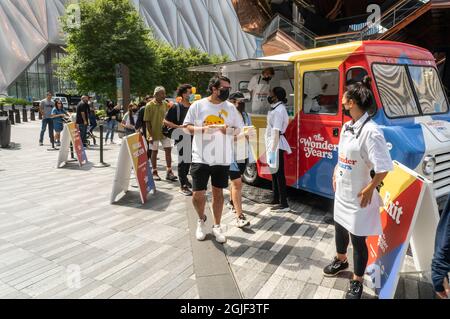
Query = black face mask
x=271 y=99
x=241 y=107
x=345 y=111
x=267 y=79
x=224 y=94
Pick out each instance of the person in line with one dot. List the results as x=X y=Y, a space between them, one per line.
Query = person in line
x=174 y=120
x=362 y=149
x=277 y=146
x=83 y=118
x=92 y=120
x=112 y=113
x=155 y=112
x=45 y=108
x=130 y=119
x=259 y=87
x=440 y=265
x=58 y=115
x=237 y=168
x=214 y=122
x=140 y=124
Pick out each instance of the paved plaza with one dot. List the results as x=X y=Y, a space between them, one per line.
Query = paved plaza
x=61 y=238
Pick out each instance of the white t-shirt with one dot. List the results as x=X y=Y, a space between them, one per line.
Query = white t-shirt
x=277 y=120
x=213 y=148
x=261 y=91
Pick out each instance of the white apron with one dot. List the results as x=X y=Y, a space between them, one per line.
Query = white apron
x=260 y=105
x=352 y=176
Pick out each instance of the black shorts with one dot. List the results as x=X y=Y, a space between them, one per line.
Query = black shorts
x=200 y=176
x=238 y=174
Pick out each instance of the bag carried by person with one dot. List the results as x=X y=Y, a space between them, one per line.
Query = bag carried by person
x=167 y=131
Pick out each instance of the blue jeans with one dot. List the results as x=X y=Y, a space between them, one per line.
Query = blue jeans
x=83 y=132
x=44 y=124
x=440 y=266
x=111 y=126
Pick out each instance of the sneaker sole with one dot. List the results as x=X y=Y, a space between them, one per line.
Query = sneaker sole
x=334 y=275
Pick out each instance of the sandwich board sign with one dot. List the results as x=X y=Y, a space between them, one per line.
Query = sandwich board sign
x=409 y=216
x=71 y=133
x=133 y=155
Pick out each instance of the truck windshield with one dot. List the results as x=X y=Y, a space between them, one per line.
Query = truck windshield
x=399 y=85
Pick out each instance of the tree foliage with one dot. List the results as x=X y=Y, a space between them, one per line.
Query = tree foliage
x=112 y=32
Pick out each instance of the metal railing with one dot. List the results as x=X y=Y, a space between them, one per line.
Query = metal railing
x=390 y=19
x=299 y=33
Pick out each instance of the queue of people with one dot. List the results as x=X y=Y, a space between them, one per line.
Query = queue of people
x=206 y=133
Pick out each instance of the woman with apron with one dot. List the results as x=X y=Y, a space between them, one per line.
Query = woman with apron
x=276 y=146
x=362 y=148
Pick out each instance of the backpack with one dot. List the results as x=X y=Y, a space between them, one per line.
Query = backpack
x=167 y=131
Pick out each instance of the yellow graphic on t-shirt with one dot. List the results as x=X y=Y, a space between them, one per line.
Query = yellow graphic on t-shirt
x=216 y=120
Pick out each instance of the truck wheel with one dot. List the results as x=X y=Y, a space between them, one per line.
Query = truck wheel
x=250 y=175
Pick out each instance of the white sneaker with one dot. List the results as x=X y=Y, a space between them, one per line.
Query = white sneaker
x=200 y=234
x=241 y=222
x=220 y=237
x=229 y=205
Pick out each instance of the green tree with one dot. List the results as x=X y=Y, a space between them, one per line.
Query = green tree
x=173 y=63
x=110 y=32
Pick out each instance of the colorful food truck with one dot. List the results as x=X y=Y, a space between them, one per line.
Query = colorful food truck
x=410 y=106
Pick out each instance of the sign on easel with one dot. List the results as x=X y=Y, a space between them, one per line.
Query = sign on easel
x=408 y=216
x=133 y=155
x=71 y=133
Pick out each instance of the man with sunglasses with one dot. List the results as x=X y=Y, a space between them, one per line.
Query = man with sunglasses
x=214 y=122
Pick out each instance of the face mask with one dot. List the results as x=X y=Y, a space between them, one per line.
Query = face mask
x=270 y=99
x=191 y=98
x=241 y=107
x=346 y=112
x=267 y=79
x=224 y=94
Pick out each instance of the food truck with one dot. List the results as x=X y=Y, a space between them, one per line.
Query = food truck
x=410 y=106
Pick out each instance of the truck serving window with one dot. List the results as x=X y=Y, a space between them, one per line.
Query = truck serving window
x=395 y=90
x=321 y=92
x=428 y=89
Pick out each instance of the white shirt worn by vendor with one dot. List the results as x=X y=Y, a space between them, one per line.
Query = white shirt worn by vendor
x=261 y=91
x=277 y=121
x=362 y=148
x=213 y=148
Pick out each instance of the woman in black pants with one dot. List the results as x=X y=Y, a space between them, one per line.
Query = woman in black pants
x=277 y=146
x=362 y=148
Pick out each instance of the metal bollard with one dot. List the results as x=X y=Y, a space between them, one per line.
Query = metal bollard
x=32 y=115
x=17 y=116
x=24 y=113
x=11 y=117
x=40 y=115
x=101 y=164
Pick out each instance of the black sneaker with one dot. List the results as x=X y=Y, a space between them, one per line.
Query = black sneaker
x=280 y=209
x=188 y=184
x=355 y=290
x=274 y=202
x=171 y=177
x=185 y=191
x=335 y=267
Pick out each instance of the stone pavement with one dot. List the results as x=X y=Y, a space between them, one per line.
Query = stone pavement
x=54 y=222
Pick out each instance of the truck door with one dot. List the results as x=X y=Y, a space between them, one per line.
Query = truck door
x=320 y=125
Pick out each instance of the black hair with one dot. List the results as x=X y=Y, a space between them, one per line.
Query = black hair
x=280 y=93
x=270 y=69
x=109 y=103
x=182 y=89
x=215 y=82
x=360 y=92
x=142 y=104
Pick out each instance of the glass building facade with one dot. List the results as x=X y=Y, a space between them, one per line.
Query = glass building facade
x=39 y=78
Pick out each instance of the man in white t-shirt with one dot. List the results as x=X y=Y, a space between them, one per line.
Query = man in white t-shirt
x=259 y=88
x=214 y=122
